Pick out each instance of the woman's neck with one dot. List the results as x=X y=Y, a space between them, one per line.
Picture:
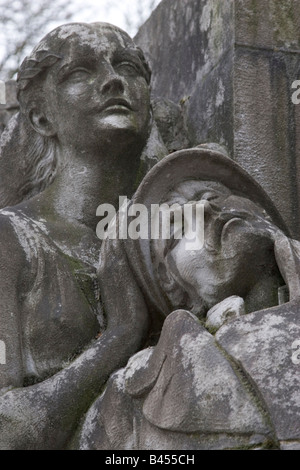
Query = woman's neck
x=85 y=181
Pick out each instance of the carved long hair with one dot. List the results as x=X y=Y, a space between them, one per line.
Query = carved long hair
x=28 y=161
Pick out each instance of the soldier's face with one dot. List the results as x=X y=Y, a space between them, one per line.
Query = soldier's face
x=238 y=246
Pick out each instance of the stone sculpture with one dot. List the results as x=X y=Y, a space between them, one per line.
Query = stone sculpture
x=70 y=321
x=221 y=375
x=85 y=119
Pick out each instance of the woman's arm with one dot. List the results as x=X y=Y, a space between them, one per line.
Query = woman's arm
x=45 y=415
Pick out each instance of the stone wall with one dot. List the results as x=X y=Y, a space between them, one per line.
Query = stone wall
x=230 y=64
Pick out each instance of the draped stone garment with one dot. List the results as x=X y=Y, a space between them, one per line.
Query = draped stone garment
x=59 y=300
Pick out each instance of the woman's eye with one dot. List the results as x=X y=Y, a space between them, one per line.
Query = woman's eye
x=128 y=68
x=78 y=75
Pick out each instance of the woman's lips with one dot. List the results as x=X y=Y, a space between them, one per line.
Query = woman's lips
x=116 y=104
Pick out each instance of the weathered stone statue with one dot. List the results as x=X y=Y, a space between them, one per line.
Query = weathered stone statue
x=85 y=119
x=222 y=374
x=213 y=338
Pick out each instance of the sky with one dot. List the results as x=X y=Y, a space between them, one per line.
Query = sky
x=127 y=14
x=114 y=11
x=104 y=11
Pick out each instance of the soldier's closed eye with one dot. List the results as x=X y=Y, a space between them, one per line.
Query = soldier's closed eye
x=211 y=195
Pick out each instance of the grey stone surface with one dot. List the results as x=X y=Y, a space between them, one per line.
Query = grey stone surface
x=279 y=28
x=265 y=125
x=262 y=344
x=153 y=345
x=197 y=37
x=171 y=124
x=197 y=401
x=232 y=65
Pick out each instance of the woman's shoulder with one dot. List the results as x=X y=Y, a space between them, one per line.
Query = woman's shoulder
x=15 y=234
x=8 y=218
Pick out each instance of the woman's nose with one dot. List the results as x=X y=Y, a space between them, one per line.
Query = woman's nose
x=112 y=83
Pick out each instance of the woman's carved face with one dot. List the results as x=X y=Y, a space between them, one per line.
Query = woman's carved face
x=237 y=250
x=98 y=94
